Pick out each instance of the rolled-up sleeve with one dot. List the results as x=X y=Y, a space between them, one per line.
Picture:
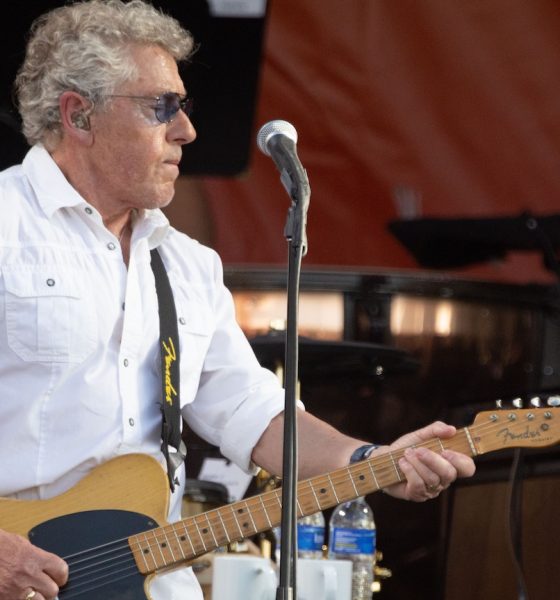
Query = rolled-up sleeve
x=236 y=397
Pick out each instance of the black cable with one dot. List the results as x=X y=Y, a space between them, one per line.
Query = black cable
x=514 y=521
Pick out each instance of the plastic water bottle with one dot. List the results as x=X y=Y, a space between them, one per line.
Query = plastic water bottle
x=311 y=536
x=352 y=537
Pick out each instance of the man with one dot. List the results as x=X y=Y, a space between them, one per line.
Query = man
x=103 y=108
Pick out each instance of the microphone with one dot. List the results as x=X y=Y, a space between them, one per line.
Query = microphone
x=272 y=128
x=277 y=139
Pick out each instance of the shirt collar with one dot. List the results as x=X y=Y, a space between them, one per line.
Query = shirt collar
x=54 y=191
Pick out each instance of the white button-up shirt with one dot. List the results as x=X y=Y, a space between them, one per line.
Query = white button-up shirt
x=80 y=376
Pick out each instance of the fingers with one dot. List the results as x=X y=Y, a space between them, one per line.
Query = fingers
x=438 y=429
x=25 y=568
x=55 y=568
x=49 y=572
x=45 y=587
x=429 y=473
x=463 y=464
x=426 y=472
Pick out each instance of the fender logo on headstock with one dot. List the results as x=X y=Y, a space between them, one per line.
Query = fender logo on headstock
x=528 y=433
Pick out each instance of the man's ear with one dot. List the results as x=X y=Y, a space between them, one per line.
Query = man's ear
x=74 y=115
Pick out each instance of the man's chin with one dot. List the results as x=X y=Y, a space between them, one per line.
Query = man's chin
x=164 y=196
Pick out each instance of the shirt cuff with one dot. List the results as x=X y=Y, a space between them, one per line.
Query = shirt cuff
x=242 y=433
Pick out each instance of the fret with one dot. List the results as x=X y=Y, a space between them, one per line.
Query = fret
x=300 y=512
x=179 y=544
x=395 y=466
x=251 y=516
x=154 y=536
x=166 y=544
x=265 y=512
x=188 y=537
x=236 y=521
x=369 y=464
x=326 y=498
x=211 y=530
x=333 y=489
x=143 y=555
x=147 y=551
x=352 y=480
x=218 y=512
x=245 y=524
x=314 y=494
x=200 y=535
x=441 y=444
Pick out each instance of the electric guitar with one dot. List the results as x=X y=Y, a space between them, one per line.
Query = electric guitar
x=111 y=527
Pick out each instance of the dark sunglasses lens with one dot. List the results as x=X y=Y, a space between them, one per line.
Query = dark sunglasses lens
x=187 y=106
x=169 y=105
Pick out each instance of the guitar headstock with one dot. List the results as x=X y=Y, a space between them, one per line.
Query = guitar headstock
x=516 y=428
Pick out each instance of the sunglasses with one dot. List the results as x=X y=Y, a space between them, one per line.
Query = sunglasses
x=165 y=106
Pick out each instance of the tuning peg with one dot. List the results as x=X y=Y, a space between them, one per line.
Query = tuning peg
x=553 y=401
x=535 y=402
x=499 y=404
x=517 y=402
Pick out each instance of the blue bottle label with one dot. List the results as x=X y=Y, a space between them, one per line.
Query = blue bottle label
x=353 y=541
x=310 y=537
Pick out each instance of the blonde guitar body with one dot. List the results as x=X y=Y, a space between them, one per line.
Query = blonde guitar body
x=133 y=483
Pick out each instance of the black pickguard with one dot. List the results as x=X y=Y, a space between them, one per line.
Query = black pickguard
x=94 y=545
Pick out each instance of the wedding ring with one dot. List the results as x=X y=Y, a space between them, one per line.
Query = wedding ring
x=31 y=594
x=433 y=488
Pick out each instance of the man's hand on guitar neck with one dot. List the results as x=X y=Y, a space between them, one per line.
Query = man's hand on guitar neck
x=24 y=568
x=322 y=449
x=427 y=473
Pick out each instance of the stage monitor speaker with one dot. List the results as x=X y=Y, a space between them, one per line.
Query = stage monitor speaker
x=222 y=77
x=479 y=555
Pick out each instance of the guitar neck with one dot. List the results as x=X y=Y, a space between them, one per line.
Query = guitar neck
x=179 y=542
x=183 y=541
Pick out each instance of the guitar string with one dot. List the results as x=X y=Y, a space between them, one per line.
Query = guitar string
x=380 y=467
x=228 y=518
x=344 y=476
x=171 y=528
x=72 y=593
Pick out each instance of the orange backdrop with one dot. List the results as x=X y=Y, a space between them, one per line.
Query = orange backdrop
x=437 y=108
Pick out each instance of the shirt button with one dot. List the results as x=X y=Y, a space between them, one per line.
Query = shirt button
x=131 y=422
x=111 y=246
x=50 y=282
x=123 y=305
x=88 y=210
x=182 y=320
x=125 y=362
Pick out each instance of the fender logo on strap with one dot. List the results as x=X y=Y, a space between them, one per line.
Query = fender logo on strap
x=169 y=358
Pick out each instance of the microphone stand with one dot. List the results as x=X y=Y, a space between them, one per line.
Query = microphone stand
x=294 y=179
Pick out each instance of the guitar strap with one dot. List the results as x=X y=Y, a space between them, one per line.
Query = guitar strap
x=172 y=445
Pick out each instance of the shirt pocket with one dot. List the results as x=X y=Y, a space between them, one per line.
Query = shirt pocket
x=196 y=325
x=50 y=315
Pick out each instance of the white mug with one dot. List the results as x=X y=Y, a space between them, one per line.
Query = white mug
x=319 y=579
x=242 y=577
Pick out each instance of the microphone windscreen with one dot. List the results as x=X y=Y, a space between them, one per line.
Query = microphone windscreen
x=273 y=128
